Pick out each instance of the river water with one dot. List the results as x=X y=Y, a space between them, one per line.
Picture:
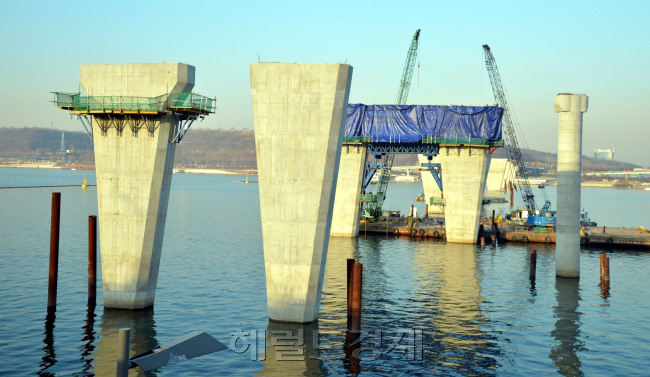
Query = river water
x=429 y=308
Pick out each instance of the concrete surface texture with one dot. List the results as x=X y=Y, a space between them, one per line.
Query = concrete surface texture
x=496 y=177
x=429 y=186
x=136 y=79
x=299 y=115
x=345 y=218
x=569 y=150
x=133 y=180
x=464 y=170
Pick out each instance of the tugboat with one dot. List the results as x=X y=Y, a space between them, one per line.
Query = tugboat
x=585 y=220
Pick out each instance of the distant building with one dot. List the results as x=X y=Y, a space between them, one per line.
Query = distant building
x=604 y=154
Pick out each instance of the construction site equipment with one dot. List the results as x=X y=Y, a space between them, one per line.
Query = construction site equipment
x=510 y=138
x=375 y=208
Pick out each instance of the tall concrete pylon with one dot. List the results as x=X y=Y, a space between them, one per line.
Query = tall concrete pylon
x=569 y=170
x=464 y=170
x=345 y=218
x=299 y=113
x=134 y=172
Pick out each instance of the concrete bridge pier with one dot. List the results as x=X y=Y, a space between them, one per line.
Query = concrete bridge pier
x=299 y=112
x=569 y=151
x=133 y=176
x=497 y=174
x=345 y=218
x=464 y=170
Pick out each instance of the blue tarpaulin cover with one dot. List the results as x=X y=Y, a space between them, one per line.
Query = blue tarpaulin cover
x=410 y=123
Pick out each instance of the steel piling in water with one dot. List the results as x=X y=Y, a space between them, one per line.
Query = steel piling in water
x=604 y=268
x=92 y=257
x=54 y=251
x=604 y=275
x=533 y=264
x=123 y=345
x=350 y=267
x=357 y=282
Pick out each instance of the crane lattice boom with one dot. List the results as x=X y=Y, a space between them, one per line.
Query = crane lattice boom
x=509 y=136
x=407 y=75
x=402 y=95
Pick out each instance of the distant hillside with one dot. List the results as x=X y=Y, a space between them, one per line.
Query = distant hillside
x=549 y=161
x=228 y=149
x=41 y=143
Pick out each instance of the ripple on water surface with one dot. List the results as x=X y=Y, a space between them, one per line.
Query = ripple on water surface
x=476 y=311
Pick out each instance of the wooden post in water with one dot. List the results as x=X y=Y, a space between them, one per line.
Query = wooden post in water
x=602 y=265
x=533 y=264
x=92 y=257
x=54 y=251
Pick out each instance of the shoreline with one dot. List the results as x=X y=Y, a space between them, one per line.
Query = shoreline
x=51 y=166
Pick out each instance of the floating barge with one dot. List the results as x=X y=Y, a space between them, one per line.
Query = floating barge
x=591 y=235
x=433 y=228
x=400 y=226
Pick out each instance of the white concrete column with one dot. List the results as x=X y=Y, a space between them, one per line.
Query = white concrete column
x=133 y=179
x=569 y=151
x=496 y=174
x=464 y=170
x=430 y=186
x=345 y=218
x=299 y=113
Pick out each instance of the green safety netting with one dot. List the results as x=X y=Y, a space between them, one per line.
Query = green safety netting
x=438 y=140
x=191 y=100
x=75 y=101
x=436 y=201
x=461 y=140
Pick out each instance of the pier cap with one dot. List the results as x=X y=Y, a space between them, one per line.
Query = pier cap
x=568 y=102
x=136 y=79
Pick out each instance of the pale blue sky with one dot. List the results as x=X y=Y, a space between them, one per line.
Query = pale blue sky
x=600 y=48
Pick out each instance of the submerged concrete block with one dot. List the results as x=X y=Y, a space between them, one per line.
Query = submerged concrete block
x=134 y=173
x=345 y=218
x=299 y=113
x=569 y=175
x=464 y=170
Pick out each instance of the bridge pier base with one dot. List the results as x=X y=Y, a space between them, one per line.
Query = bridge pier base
x=345 y=218
x=299 y=113
x=464 y=170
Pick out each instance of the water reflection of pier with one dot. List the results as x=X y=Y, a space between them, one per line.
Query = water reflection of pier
x=143 y=338
x=449 y=294
x=567 y=328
